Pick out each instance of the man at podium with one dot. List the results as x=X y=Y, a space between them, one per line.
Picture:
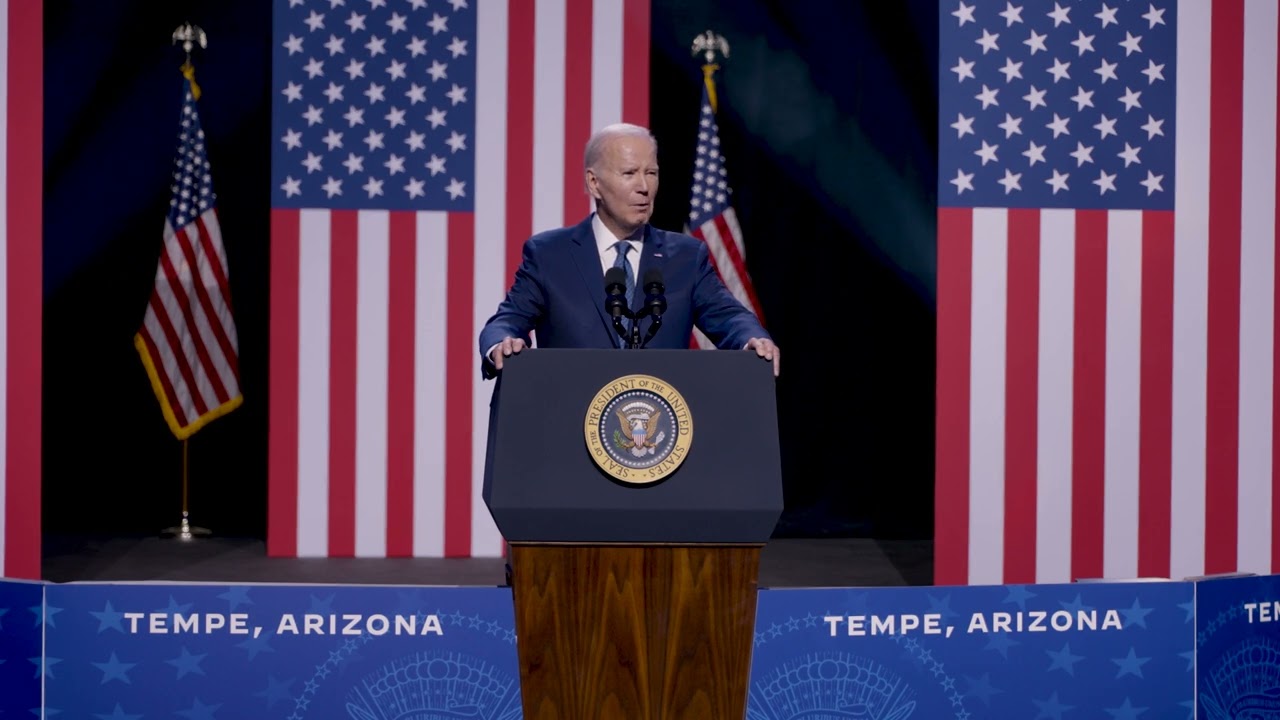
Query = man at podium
x=594 y=284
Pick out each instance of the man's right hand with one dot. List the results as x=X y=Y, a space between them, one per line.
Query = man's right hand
x=508 y=346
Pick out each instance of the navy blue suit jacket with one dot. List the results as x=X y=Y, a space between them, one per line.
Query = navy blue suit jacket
x=559 y=293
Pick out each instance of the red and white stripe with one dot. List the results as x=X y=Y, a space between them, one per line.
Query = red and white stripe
x=723 y=237
x=379 y=417
x=21 y=103
x=188 y=341
x=1107 y=379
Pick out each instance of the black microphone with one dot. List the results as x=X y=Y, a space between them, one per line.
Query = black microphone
x=615 y=300
x=655 y=301
x=615 y=289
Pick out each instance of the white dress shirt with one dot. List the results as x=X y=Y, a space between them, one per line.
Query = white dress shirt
x=605 y=240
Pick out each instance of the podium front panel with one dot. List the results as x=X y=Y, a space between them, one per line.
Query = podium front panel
x=634 y=446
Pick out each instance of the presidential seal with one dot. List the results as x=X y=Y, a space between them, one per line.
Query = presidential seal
x=638 y=429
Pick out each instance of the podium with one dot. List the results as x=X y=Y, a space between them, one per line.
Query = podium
x=635 y=490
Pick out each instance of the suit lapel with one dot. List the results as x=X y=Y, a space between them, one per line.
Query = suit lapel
x=587 y=257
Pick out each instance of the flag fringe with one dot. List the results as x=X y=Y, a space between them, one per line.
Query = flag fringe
x=179 y=431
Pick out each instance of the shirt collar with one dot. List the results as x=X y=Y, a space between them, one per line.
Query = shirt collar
x=605 y=237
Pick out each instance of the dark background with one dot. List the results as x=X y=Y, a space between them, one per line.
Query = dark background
x=828 y=120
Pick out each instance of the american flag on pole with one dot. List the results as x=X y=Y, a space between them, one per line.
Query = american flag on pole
x=21 y=172
x=187 y=341
x=711 y=215
x=416 y=145
x=1106 y=290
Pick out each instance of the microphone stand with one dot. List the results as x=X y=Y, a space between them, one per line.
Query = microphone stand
x=619 y=328
x=633 y=342
x=654 y=325
x=631 y=338
x=655 y=305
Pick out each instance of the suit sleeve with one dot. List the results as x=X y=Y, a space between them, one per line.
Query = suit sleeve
x=519 y=312
x=716 y=312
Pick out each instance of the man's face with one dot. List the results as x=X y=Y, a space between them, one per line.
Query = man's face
x=624 y=183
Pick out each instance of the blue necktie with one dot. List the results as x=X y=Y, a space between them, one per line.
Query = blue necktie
x=622 y=251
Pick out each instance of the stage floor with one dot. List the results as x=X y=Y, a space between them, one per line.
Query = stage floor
x=784 y=563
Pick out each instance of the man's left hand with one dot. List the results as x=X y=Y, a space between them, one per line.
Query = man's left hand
x=765 y=348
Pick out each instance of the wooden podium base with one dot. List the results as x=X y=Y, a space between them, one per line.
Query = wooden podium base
x=634 y=632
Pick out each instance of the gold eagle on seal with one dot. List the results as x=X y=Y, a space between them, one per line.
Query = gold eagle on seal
x=640 y=430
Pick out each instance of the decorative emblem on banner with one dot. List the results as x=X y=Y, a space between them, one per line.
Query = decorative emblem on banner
x=638 y=429
x=1245 y=681
x=834 y=685
x=434 y=686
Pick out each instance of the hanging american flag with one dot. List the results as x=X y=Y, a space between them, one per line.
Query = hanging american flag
x=21 y=171
x=711 y=215
x=187 y=341
x=416 y=146
x=1106 y=290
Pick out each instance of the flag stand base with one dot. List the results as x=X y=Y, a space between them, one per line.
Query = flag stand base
x=185 y=531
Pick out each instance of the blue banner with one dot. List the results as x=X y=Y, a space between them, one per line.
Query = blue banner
x=1116 y=651
x=211 y=651
x=21 y=625
x=1238 y=647
x=200 y=652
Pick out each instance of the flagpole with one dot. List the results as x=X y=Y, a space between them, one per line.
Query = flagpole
x=185 y=531
x=189 y=35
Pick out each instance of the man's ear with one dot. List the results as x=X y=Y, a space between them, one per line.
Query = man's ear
x=592 y=185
